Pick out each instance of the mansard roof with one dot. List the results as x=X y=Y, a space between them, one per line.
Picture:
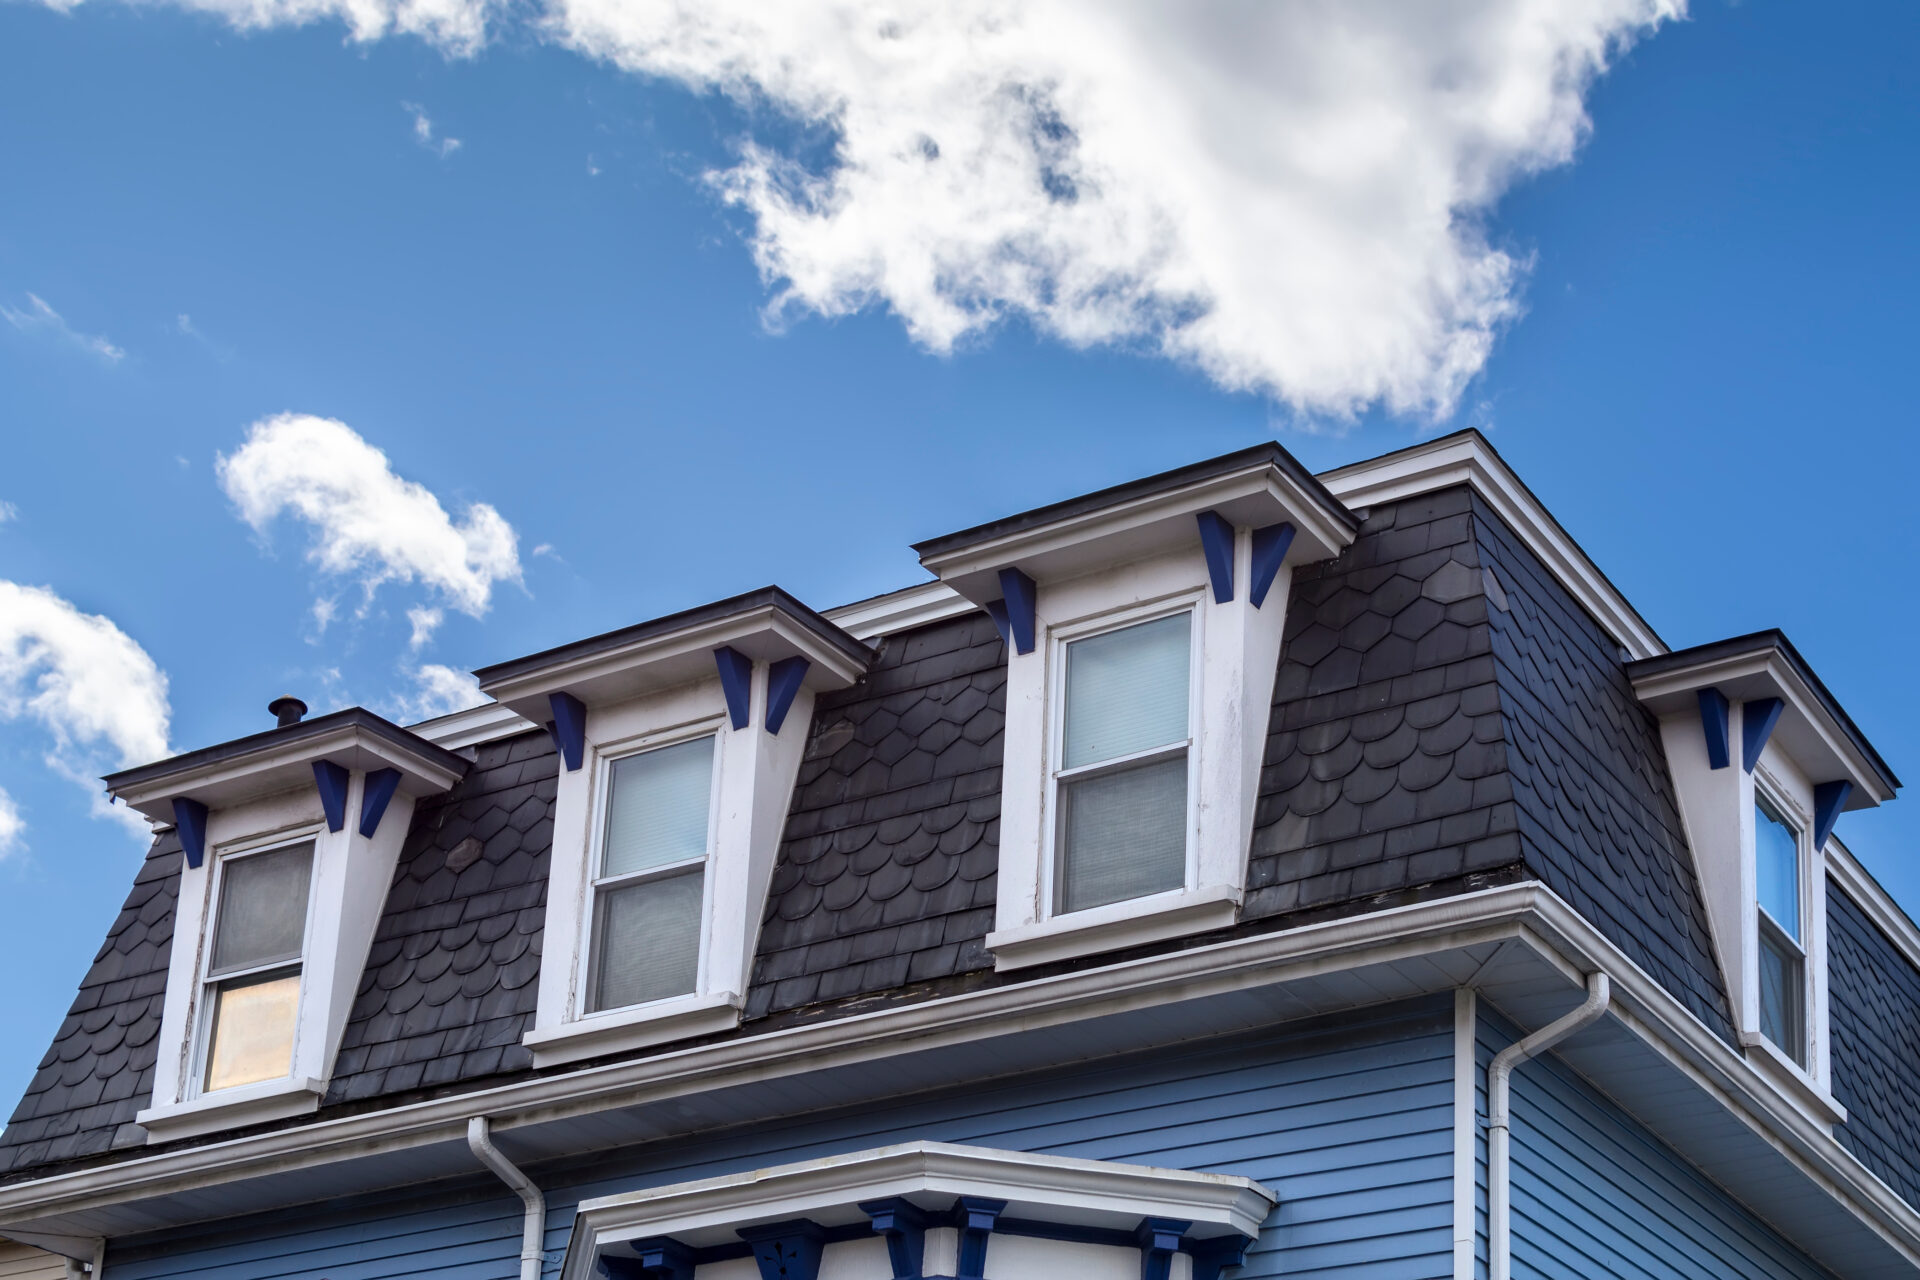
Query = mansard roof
x=1449 y=714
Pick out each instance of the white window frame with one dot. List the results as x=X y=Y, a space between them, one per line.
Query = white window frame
x=207 y=983
x=1059 y=639
x=605 y=757
x=1810 y=869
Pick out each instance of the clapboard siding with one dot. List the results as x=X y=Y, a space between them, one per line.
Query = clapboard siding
x=18 y=1262
x=1349 y=1124
x=1596 y=1195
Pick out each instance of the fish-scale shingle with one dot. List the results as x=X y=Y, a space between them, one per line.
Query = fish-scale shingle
x=1874 y=1012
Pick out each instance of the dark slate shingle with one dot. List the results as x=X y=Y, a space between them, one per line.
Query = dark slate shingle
x=98 y=1073
x=1873 y=995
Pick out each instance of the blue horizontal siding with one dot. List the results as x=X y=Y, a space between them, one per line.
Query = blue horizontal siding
x=1351 y=1125
x=1595 y=1194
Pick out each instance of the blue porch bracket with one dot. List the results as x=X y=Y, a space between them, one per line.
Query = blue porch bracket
x=997 y=612
x=1757 y=719
x=1828 y=799
x=332 y=781
x=1713 y=723
x=905 y=1228
x=1159 y=1240
x=736 y=681
x=569 y=728
x=977 y=1216
x=1269 y=553
x=786 y=1250
x=1216 y=539
x=190 y=820
x=660 y=1258
x=783 y=686
x=1019 y=596
x=375 y=793
x=1211 y=1257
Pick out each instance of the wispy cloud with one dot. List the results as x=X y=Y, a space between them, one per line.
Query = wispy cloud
x=368 y=524
x=184 y=326
x=423 y=132
x=424 y=621
x=439 y=691
x=10 y=512
x=87 y=683
x=39 y=318
x=12 y=826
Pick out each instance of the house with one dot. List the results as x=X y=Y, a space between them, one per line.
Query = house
x=1235 y=873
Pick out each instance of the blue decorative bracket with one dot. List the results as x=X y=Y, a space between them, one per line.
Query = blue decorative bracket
x=569 y=728
x=783 y=686
x=977 y=1216
x=1216 y=539
x=1159 y=1240
x=660 y=1258
x=736 y=681
x=997 y=611
x=1269 y=553
x=905 y=1227
x=1757 y=719
x=787 y=1250
x=190 y=819
x=375 y=792
x=332 y=781
x=1828 y=799
x=1713 y=723
x=1019 y=596
x=1211 y=1257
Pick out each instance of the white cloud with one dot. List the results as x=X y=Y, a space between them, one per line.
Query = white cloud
x=368 y=523
x=440 y=691
x=85 y=681
x=1290 y=197
x=424 y=620
x=38 y=317
x=423 y=132
x=12 y=826
x=10 y=512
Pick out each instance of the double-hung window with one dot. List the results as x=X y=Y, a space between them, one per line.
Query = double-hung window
x=651 y=878
x=1782 y=953
x=1121 y=784
x=252 y=991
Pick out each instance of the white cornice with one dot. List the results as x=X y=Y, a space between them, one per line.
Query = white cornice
x=1467 y=458
x=1858 y=884
x=899 y=610
x=475 y=725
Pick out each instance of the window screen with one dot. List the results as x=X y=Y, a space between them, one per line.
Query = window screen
x=263 y=908
x=259 y=932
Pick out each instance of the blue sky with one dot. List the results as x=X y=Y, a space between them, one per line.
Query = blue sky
x=1695 y=360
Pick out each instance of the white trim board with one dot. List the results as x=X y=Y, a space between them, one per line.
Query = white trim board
x=1858 y=884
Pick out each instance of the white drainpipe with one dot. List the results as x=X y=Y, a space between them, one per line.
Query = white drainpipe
x=1499 y=1082
x=533 y=1231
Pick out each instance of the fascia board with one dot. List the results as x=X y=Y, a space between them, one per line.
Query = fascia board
x=275 y=768
x=1467 y=458
x=1137 y=526
x=1858 y=884
x=487 y=722
x=1808 y=732
x=1527 y=913
x=679 y=656
x=915 y=606
x=1085 y=1192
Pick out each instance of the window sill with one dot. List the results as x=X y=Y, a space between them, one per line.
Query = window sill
x=1116 y=925
x=635 y=1028
x=231 y=1108
x=1793 y=1081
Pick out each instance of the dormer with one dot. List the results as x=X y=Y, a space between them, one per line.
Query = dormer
x=1764 y=762
x=289 y=840
x=1143 y=627
x=680 y=740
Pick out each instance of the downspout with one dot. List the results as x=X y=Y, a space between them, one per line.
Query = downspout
x=1499 y=1087
x=533 y=1232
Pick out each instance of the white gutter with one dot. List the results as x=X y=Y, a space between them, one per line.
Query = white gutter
x=533 y=1228
x=1499 y=1089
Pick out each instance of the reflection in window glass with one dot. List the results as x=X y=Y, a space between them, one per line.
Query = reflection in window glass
x=259 y=936
x=1776 y=850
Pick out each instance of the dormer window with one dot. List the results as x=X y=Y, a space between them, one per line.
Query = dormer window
x=252 y=995
x=680 y=740
x=1122 y=788
x=1783 y=959
x=650 y=894
x=1143 y=628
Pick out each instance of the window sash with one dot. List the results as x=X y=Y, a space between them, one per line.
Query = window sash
x=236 y=868
x=1782 y=975
x=225 y=1068
x=687 y=967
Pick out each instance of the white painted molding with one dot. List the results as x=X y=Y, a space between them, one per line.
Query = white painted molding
x=1858 y=884
x=487 y=722
x=1118 y=924
x=637 y=1028
x=231 y=1108
x=1088 y=1193
x=1467 y=458
x=899 y=610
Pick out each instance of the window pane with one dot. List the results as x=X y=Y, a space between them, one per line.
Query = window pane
x=1776 y=856
x=647 y=941
x=263 y=908
x=1123 y=834
x=1127 y=690
x=1782 y=989
x=252 y=1030
x=657 y=806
